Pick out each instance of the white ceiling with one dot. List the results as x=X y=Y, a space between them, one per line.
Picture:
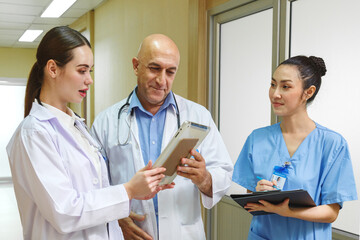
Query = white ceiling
x=16 y=16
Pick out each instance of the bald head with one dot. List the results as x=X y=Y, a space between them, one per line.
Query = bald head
x=158 y=43
x=155 y=67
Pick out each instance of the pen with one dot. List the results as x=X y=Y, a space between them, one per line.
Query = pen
x=274 y=186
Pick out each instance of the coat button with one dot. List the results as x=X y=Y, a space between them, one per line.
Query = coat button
x=95 y=181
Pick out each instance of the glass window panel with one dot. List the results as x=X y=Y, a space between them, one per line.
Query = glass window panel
x=245 y=74
x=12 y=108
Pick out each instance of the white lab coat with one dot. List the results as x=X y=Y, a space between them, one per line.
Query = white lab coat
x=57 y=186
x=179 y=208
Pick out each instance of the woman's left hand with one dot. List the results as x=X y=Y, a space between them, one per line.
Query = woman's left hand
x=281 y=209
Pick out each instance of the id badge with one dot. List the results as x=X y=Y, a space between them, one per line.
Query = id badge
x=280 y=175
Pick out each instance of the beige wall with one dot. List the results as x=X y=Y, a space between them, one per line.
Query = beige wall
x=198 y=85
x=214 y=3
x=16 y=62
x=120 y=26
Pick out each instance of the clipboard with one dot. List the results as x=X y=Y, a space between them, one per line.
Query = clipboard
x=298 y=198
x=188 y=136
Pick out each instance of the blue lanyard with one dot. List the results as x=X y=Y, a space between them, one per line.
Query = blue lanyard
x=283 y=170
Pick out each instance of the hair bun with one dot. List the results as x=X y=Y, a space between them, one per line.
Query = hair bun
x=320 y=65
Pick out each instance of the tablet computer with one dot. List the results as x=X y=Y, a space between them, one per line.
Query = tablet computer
x=188 y=136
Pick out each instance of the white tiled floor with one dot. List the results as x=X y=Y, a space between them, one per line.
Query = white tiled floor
x=9 y=215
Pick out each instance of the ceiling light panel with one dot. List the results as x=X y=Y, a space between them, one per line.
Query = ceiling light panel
x=30 y=35
x=57 y=8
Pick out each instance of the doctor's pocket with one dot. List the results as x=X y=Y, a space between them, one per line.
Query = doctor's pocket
x=191 y=232
x=187 y=201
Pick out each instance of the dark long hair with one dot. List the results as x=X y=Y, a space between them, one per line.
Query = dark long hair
x=57 y=44
x=311 y=70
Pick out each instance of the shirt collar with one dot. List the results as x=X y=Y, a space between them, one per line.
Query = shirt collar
x=135 y=102
x=64 y=118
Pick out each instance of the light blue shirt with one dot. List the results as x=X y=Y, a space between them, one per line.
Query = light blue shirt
x=321 y=165
x=151 y=129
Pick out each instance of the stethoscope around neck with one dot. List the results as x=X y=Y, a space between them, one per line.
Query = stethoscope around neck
x=126 y=105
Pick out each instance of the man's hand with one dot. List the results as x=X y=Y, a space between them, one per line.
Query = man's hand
x=195 y=169
x=130 y=230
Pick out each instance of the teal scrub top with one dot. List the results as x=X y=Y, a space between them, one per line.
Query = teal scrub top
x=321 y=165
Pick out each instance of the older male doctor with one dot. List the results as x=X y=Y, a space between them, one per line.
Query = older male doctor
x=139 y=127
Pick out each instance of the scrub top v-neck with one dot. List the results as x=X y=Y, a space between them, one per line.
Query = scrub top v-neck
x=321 y=165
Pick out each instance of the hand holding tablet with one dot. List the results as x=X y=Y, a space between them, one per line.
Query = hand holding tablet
x=188 y=137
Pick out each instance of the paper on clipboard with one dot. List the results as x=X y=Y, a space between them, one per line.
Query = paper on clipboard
x=189 y=136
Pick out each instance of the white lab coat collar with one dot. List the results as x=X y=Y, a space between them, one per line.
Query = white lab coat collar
x=64 y=118
x=41 y=113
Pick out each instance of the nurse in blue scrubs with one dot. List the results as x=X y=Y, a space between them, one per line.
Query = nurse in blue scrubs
x=303 y=153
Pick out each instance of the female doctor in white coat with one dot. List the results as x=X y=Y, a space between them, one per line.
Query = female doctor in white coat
x=60 y=178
